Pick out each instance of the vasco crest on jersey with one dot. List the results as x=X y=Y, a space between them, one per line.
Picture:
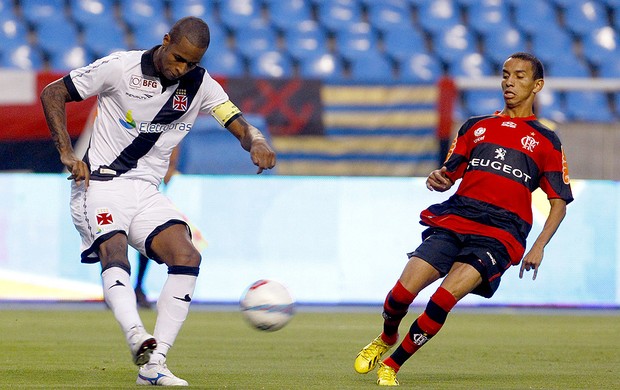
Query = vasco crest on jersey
x=179 y=101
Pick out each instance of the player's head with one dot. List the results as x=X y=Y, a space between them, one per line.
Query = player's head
x=522 y=79
x=182 y=48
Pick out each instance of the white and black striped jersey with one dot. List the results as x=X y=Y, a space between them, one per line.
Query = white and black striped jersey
x=140 y=117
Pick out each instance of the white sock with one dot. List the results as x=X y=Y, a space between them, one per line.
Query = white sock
x=121 y=298
x=172 y=310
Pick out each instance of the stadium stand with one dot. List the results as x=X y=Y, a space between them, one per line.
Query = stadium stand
x=342 y=42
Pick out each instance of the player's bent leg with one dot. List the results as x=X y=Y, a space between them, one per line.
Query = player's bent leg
x=121 y=299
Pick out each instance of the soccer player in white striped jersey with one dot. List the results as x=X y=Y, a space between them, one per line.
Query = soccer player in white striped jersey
x=147 y=102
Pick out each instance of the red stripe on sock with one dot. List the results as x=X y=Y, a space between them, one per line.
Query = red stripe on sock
x=427 y=325
x=401 y=294
x=390 y=362
x=444 y=299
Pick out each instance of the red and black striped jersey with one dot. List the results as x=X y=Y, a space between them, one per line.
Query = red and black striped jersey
x=501 y=161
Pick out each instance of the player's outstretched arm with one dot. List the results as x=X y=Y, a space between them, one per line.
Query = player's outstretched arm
x=254 y=141
x=53 y=99
x=534 y=257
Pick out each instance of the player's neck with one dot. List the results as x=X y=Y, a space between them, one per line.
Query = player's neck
x=517 y=112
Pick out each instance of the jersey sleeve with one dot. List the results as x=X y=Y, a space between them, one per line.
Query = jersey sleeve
x=213 y=95
x=458 y=155
x=98 y=77
x=555 y=181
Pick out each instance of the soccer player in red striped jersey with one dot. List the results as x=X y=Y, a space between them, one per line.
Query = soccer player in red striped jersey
x=481 y=230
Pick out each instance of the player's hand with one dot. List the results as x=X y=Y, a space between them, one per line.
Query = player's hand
x=531 y=261
x=262 y=155
x=78 y=168
x=438 y=180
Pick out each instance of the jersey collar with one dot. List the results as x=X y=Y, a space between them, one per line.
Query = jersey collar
x=526 y=118
x=148 y=68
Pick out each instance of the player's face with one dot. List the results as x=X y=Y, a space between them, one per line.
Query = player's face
x=518 y=83
x=176 y=59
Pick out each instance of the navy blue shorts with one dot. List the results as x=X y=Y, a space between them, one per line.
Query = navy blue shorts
x=442 y=248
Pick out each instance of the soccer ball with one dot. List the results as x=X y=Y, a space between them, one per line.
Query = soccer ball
x=267 y=305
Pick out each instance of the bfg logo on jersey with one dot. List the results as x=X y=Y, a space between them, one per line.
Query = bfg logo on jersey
x=142 y=84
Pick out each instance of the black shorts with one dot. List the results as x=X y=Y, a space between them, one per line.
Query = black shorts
x=442 y=248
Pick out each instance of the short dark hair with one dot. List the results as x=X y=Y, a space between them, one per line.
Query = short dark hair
x=194 y=29
x=537 y=66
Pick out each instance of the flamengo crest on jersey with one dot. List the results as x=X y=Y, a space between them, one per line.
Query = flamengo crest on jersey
x=501 y=162
x=141 y=117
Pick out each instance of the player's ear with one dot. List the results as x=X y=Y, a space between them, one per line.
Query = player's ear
x=538 y=85
x=166 y=40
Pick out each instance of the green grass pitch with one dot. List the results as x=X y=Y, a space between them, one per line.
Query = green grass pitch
x=494 y=349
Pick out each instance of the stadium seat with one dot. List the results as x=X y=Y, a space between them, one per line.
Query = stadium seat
x=601 y=46
x=534 y=16
x=255 y=38
x=454 y=43
x=551 y=44
x=145 y=36
x=6 y=10
x=588 y=106
x=419 y=68
x=326 y=67
x=610 y=68
x=142 y=13
x=13 y=33
x=482 y=102
x=285 y=15
x=35 y=11
x=358 y=39
x=389 y=15
x=338 y=14
x=487 y=16
x=236 y=14
x=401 y=43
x=92 y=11
x=56 y=36
x=437 y=16
x=568 y=66
x=103 y=44
x=581 y=17
x=470 y=65
x=502 y=42
x=371 y=68
x=203 y=9
x=22 y=57
x=271 y=64
x=224 y=62
x=306 y=39
x=71 y=58
x=549 y=105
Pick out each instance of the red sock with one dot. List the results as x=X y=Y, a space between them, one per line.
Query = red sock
x=395 y=308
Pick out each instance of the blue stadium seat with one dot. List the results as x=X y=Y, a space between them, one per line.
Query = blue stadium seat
x=371 y=68
x=488 y=16
x=454 y=43
x=103 y=44
x=55 y=36
x=551 y=44
x=470 y=65
x=145 y=36
x=326 y=67
x=588 y=106
x=549 y=105
x=255 y=38
x=482 y=102
x=6 y=10
x=236 y=14
x=358 y=39
x=419 y=68
x=610 y=68
x=13 y=33
x=338 y=14
x=224 y=62
x=271 y=64
x=437 y=16
x=389 y=15
x=35 y=11
x=306 y=39
x=502 y=42
x=71 y=58
x=203 y=9
x=584 y=16
x=535 y=16
x=22 y=57
x=568 y=66
x=601 y=46
x=92 y=11
x=142 y=13
x=401 y=43
x=285 y=15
